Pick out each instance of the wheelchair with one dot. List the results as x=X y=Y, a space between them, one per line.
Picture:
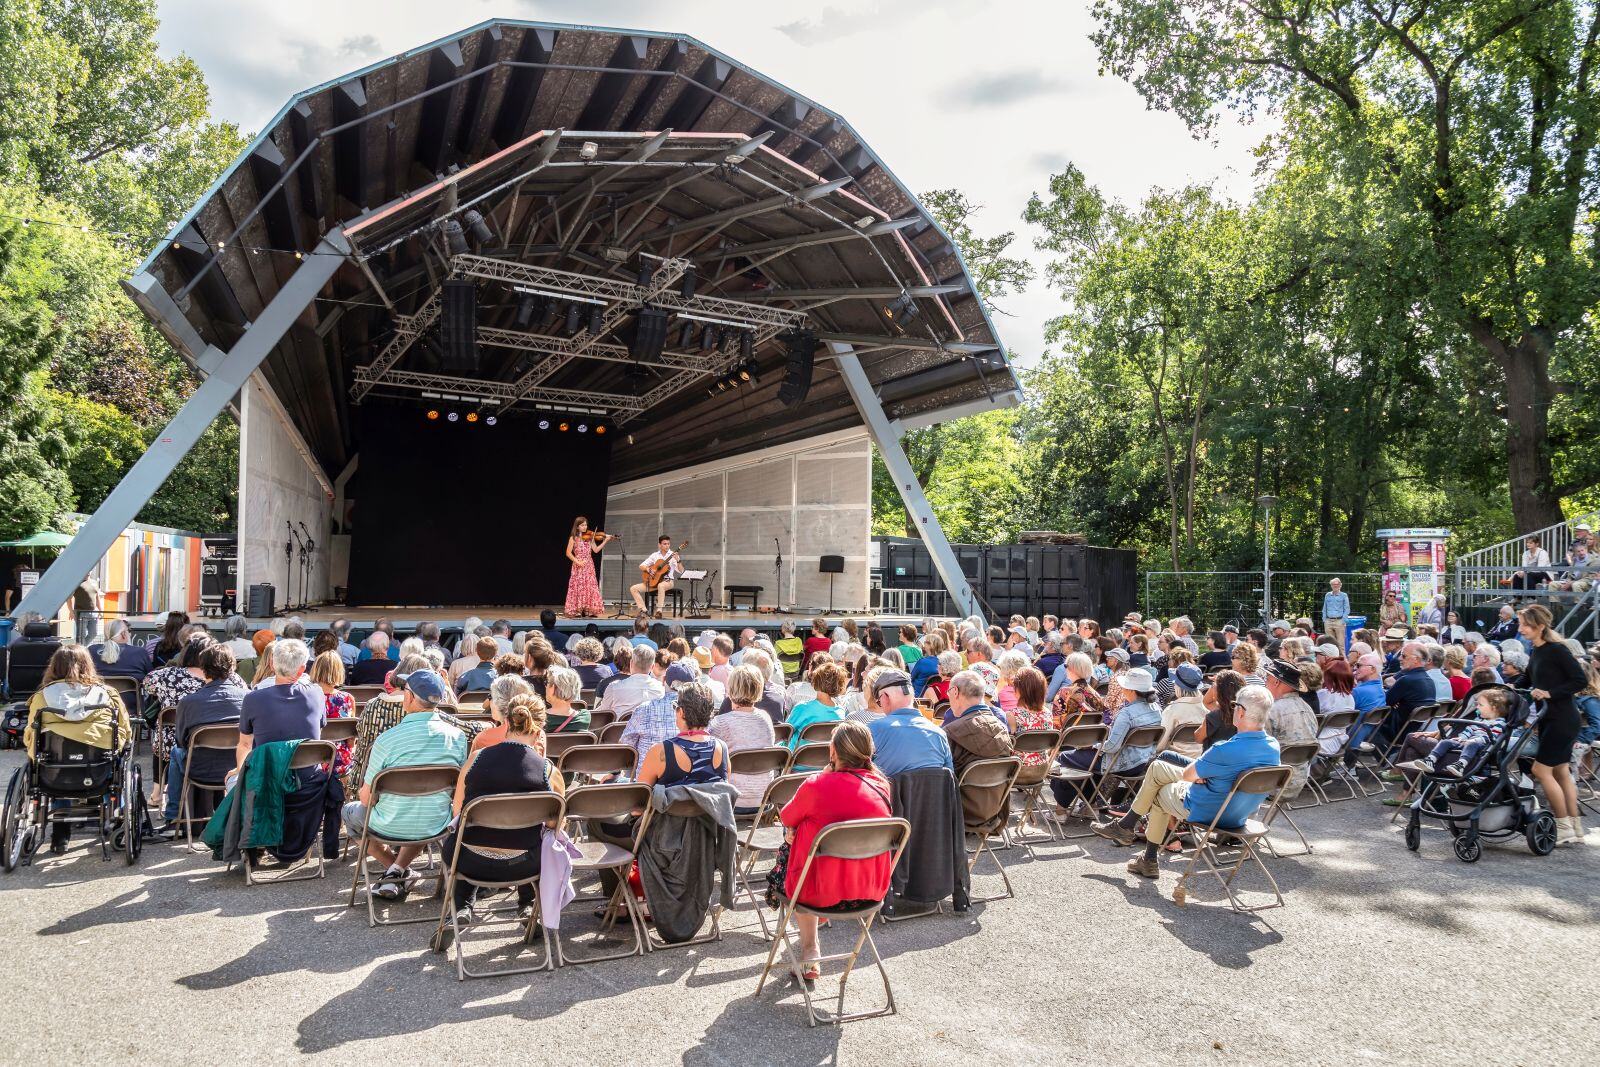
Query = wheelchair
x=69 y=782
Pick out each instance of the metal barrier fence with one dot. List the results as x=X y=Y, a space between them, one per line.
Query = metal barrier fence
x=1212 y=599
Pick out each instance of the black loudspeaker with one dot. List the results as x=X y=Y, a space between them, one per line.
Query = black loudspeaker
x=263 y=600
x=649 y=334
x=801 y=348
x=458 y=326
x=831 y=565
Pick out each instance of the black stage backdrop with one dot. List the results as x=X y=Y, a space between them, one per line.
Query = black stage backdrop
x=462 y=513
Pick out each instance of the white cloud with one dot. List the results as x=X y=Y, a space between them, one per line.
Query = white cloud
x=986 y=98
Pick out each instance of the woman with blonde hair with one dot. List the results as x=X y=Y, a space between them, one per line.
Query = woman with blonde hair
x=1555 y=677
x=745 y=726
x=327 y=674
x=850 y=787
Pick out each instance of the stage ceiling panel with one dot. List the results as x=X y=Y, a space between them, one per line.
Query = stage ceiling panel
x=573 y=158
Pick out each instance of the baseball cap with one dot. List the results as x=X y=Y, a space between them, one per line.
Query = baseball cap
x=679 y=672
x=1327 y=648
x=1117 y=653
x=889 y=680
x=426 y=686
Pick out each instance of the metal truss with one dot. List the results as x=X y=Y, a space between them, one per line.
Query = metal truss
x=407 y=328
x=506 y=393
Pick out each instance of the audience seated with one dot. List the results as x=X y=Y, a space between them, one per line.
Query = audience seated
x=1195 y=791
x=745 y=726
x=219 y=700
x=375 y=664
x=1187 y=708
x=903 y=740
x=975 y=733
x=72 y=702
x=118 y=657
x=562 y=686
x=1291 y=718
x=479 y=677
x=829 y=681
x=639 y=686
x=422 y=737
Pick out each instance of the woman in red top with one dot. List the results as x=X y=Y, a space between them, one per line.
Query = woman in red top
x=849 y=788
x=1455 y=671
x=817 y=641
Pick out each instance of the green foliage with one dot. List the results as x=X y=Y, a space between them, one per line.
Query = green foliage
x=99 y=132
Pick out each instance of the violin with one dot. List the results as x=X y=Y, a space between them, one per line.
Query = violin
x=594 y=535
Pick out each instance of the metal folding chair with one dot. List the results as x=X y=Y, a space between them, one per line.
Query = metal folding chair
x=588 y=762
x=558 y=745
x=1269 y=781
x=1337 y=772
x=360 y=694
x=820 y=731
x=989 y=774
x=599 y=720
x=612 y=734
x=781 y=732
x=1087 y=736
x=419 y=781
x=473 y=696
x=1291 y=754
x=340 y=729
x=218 y=737
x=812 y=754
x=1031 y=778
x=504 y=811
x=609 y=803
x=306 y=754
x=855 y=839
x=764 y=836
x=1139 y=737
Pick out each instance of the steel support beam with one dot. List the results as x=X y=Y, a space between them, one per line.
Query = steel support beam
x=95 y=538
x=886 y=436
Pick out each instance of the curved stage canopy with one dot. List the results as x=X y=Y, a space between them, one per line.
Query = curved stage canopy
x=565 y=177
x=583 y=150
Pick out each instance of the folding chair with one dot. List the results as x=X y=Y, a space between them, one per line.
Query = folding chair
x=1031 y=778
x=127 y=689
x=557 y=745
x=158 y=767
x=1291 y=754
x=473 y=696
x=773 y=760
x=1419 y=715
x=1374 y=718
x=599 y=720
x=820 y=731
x=609 y=803
x=340 y=729
x=590 y=698
x=612 y=734
x=854 y=839
x=306 y=754
x=1269 y=781
x=360 y=694
x=781 y=732
x=989 y=774
x=1140 y=737
x=812 y=754
x=596 y=761
x=1337 y=772
x=1090 y=735
x=420 y=781
x=1184 y=733
x=218 y=737
x=764 y=835
x=505 y=811
x=688 y=809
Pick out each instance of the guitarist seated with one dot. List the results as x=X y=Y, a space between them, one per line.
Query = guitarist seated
x=658 y=571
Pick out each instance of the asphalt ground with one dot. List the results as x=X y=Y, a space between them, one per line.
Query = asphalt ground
x=1380 y=955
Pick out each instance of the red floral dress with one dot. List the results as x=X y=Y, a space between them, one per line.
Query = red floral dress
x=340 y=706
x=583 y=590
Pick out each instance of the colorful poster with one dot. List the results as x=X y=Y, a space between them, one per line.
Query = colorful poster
x=1399 y=555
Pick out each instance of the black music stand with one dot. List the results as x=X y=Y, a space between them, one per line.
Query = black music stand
x=830 y=565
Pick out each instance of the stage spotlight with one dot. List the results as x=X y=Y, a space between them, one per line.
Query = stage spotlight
x=686 y=287
x=597 y=316
x=744 y=372
x=525 y=309
x=479 y=229
x=544 y=424
x=432 y=414
x=472 y=416
x=490 y=420
x=747 y=346
x=454 y=239
x=548 y=318
x=564 y=427
x=630 y=438
x=711 y=338
x=686 y=337
x=583 y=427
x=647 y=271
x=722 y=385
x=711 y=390
x=453 y=416
x=574 y=317
x=600 y=429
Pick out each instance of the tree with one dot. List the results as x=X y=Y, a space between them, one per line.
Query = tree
x=1471 y=125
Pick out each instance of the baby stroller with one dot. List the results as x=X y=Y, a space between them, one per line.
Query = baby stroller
x=70 y=782
x=1492 y=800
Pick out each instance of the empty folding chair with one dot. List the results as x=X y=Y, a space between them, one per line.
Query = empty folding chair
x=419 y=781
x=1368 y=726
x=773 y=760
x=306 y=754
x=781 y=732
x=809 y=756
x=515 y=812
x=1081 y=780
x=340 y=729
x=1291 y=754
x=612 y=734
x=589 y=698
x=599 y=720
x=854 y=839
x=221 y=736
x=820 y=731
x=990 y=782
x=613 y=804
x=1212 y=836
x=1337 y=772
x=764 y=836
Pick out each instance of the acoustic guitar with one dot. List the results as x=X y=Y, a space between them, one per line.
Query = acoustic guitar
x=657 y=572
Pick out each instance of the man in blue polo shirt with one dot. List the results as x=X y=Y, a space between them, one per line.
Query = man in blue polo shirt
x=1195 y=792
x=1335 y=610
x=903 y=740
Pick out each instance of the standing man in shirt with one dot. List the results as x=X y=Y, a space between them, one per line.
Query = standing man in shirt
x=1335 y=610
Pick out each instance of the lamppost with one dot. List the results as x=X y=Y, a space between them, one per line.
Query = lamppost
x=1266 y=503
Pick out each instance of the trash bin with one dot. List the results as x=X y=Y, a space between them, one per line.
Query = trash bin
x=1351 y=625
x=7 y=624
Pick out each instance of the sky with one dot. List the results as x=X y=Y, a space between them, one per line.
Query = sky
x=989 y=98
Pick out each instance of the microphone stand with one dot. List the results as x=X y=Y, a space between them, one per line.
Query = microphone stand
x=307 y=554
x=622 y=611
x=777 y=574
x=288 y=567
